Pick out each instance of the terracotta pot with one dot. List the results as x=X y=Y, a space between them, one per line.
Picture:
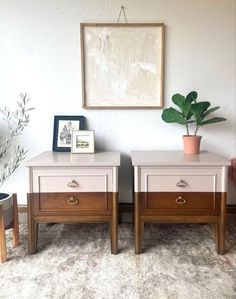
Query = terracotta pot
x=6 y=201
x=192 y=144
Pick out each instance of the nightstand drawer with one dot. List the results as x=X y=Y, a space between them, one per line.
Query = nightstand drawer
x=185 y=183
x=169 y=202
x=72 y=180
x=73 y=202
x=180 y=180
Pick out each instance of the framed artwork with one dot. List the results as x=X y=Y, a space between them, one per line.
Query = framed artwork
x=62 y=133
x=82 y=142
x=122 y=65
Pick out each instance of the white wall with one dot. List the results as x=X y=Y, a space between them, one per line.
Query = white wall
x=40 y=55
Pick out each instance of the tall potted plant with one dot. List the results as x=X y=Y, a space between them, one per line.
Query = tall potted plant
x=191 y=112
x=11 y=155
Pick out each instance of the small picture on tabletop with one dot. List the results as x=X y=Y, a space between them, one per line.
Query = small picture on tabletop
x=63 y=127
x=82 y=142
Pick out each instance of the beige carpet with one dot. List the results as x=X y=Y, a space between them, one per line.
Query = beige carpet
x=74 y=261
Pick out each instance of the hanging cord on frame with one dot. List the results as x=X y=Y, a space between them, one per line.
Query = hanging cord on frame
x=122 y=9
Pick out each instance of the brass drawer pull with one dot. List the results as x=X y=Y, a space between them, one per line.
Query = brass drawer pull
x=180 y=200
x=182 y=184
x=72 y=184
x=72 y=201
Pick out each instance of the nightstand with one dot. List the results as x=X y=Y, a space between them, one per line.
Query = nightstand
x=172 y=187
x=73 y=188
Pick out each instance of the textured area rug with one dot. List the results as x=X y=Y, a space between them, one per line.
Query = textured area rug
x=74 y=261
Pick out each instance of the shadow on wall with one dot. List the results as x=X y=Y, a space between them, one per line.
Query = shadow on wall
x=232 y=182
x=126 y=179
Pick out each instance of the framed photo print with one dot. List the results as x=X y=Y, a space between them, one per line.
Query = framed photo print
x=132 y=55
x=63 y=127
x=82 y=142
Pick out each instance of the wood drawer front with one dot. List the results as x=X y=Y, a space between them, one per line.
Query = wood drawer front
x=72 y=180
x=59 y=202
x=180 y=180
x=175 y=201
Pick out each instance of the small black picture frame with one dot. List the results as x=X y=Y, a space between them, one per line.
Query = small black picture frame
x=62 y=133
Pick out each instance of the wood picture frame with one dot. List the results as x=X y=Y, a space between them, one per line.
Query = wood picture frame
x=62 y=132
x=122 y=65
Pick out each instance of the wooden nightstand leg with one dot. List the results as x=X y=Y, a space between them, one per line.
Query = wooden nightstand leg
x=32 y=227
x=114 y=225
x=33 y=230
x=36 y=231
x=138 y=225
x=3 y=246
x=217 y=236
x=139 y=237
x=221 y=226
x=15 y=239
x=221 y=237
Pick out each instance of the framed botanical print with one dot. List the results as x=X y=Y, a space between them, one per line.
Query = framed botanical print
x=122 y=65
x=64 y=125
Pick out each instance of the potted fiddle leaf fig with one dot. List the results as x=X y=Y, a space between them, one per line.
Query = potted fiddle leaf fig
x=11 y=155
x=191 y=113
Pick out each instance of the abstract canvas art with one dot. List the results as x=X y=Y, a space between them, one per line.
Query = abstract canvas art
x=122 y=65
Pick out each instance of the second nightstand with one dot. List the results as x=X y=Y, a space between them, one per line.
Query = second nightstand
x=171 y=187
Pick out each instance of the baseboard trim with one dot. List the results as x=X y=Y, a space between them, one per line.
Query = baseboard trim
x=231 y=209
x=126 y=207
x=22 y=209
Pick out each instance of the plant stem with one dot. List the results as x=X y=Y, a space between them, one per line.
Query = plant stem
x=187 y=128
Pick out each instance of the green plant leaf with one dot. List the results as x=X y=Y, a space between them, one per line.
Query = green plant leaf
x=212 y=121
x=210 y=111
x=178 y=99
x=189 y=115
x=191 y=97
x=181 y=102
x=171 y=115
x=186 y=109
x=198 y=110
x=203 y=106
x=16 y=122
